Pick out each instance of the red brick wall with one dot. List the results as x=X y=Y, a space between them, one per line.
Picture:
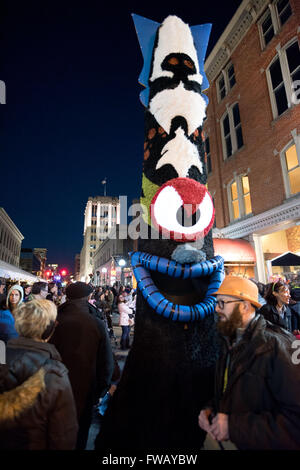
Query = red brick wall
x=261 y=134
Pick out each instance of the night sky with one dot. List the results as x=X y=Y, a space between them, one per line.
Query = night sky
x=72 y=114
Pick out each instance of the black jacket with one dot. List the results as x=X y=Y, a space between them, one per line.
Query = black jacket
x=289 y=322
x=37 y=409
x=85 y=348
x=263 y=389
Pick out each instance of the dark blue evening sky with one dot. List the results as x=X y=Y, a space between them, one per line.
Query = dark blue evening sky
x=73 y=114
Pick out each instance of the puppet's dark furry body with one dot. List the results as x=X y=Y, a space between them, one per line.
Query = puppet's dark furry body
x=169 y=372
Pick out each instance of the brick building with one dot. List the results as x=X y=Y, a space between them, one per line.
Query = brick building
x=252 y=130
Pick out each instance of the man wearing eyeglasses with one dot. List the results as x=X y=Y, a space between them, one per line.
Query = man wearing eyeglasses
x=257 y=383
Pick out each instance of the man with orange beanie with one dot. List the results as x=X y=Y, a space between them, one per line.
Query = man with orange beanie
x=257 y=386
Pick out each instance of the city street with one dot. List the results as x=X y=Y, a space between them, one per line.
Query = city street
x=121 y=358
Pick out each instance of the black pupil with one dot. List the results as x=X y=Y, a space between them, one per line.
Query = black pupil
x=186 y=220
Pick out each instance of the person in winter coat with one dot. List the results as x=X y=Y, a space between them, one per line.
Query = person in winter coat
x=37 y=409
x=277 y=310
x=14 y=297
x=84 y=345
x=124 y=322
x=257 y=387
x=27 y=292
x=295 y=309
x=7 y=321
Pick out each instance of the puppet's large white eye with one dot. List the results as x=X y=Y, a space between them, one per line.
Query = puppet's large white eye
x=183 y=210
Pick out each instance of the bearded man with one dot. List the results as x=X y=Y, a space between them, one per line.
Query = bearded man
x=257 y=386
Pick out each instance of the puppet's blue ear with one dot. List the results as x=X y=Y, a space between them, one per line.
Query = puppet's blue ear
x=146 y=32
x=201 y=35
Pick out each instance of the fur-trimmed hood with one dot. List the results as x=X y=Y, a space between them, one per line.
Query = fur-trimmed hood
x=20 y=399
x=37 y=409
x=19 y=289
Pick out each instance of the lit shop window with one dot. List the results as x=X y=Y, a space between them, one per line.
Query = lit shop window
x=273 y=19
x=281 y=74
x=291 y=170
x=239 y=197
x=235 y=200
x=231 y=130
x=225 y=81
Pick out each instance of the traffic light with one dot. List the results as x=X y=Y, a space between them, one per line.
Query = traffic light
x=63 y=272
x=48 y=274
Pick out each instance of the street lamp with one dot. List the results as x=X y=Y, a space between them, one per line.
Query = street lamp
x=104 y=271
x=122 y=264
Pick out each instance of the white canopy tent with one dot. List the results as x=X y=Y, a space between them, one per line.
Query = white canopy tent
x=8 y=271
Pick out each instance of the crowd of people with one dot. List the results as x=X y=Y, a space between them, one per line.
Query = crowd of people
x=48 y=387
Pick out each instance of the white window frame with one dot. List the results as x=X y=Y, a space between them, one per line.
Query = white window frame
x=285 y=173
x=279 y=25
x=208 y=155
x=281 y=55
x=234 y=145
x=272 y=9
x=224 y=75
x=238 y=180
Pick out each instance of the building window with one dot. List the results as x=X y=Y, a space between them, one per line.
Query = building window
x=283 y=71
x=291 y=169
x=221 y=87
x=208 y=157
x=226 y=81
x=231 y=130
x=231 y=76
x=227 y=136
x=274 y=18
x=267 y=28
x=239 y=197
x=94 y=210
x=237 y=125
x=284 y=11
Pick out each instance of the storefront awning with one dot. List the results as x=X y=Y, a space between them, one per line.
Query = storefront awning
x=286 y=259
x=234 y=251
x=8 y=271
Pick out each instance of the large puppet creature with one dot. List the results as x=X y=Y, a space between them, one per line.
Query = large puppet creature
x=168 y=375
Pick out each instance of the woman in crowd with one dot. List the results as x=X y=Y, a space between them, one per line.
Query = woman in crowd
x=53 y=293
x=27 y=292
x=14 y=298
x=7 y=321
x=276 y=310
x=124 y=322
x=37 y=410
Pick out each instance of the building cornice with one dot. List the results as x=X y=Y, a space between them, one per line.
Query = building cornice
x=236 y=29
x=4 y=217
x=287 y=212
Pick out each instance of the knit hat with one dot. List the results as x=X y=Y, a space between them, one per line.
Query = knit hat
x=77 y=290
x=18 y=288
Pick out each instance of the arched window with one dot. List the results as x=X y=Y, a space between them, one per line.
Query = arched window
x=239 y=200
x=231 y=130
x=290 y=163
x=282 y=73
